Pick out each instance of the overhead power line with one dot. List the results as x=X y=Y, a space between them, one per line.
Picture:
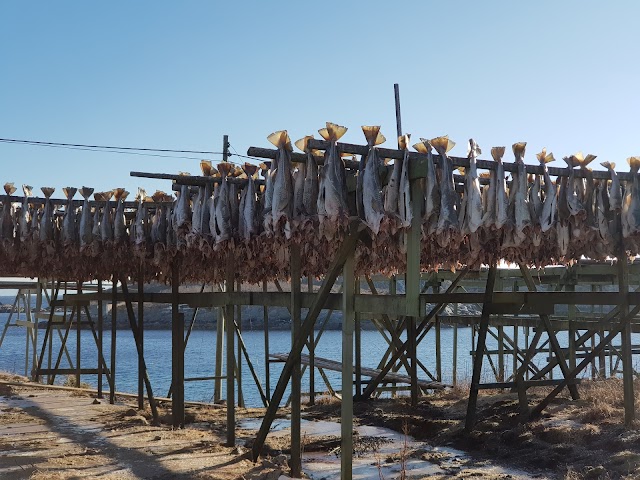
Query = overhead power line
x=105 y=147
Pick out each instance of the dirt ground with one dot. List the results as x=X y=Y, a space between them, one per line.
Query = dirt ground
x=51 y=434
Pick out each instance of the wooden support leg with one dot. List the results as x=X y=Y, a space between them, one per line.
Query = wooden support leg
x=217 y=385
x=348 y=322
x=413 y=373
x=100 y=338
x=177 y=348
x=627 y=360
x=267 y=361
x=114 y=320
x=228 y=314
x=480 y=348
x=312 y=355
x=78 y=338
x=296 y=442
x=140 y=339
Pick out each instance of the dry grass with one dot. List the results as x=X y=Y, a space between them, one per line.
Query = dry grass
x=327 y=399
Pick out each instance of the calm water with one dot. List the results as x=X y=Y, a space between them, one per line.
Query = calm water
x=200 y=357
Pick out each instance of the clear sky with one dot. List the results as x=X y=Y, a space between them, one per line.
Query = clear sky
x=564 y=75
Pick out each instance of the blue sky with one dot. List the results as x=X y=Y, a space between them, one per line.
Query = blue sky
x=562 y=75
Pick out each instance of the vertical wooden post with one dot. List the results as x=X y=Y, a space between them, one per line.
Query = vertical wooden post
x=393 y=289
x=571 y=316
x=296 y=391
x=114 y=321
x=500 y=353
x=312 y=354
x=455 y=345
x=396 y=91
x=78 y=336
x=177 y=347
x=100 y=336
x=413 y=354
x=267 y=360
x=140 y=339
x=358 y=347
x=238 y=320
x=348 y=320
x=438 y=345
x=627 y=360
x=482 y=338
x=217 y=385
x=228 y=317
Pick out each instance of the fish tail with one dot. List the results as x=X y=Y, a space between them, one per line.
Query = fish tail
x=250 y=169
x=371 y=133
x=571 y=161
x=225 y=168
x=424 y=146
x=142 y=194
x=608 y=165
x=587 y=160
x=519 y=148
x=69 y=192
x=280 y=139
x=118 y=193
x=403 y=141
x=9 y=188
x=497 y=153
x=107 y=195
x=336 y=132
x=303 y=142
x=634 y=163
x=28 y=190
x=86 y=192
x=158 y=196
x=443 y=143
x=473 y=148
x=48 y=191
x=206 y=166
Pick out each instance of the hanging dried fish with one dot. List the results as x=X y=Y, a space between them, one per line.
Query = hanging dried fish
x=86 y=223
x=6 y=228
x=432 y=188
x=23 y=222
x=405 y=206
x=335 y=179
x=371 y=188
x=120 y=228
x=470 y=216
x=448 y=222
x=46 y=222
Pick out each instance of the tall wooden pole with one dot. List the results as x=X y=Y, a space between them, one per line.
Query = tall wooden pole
x=228 y=320
x=396 y=91
x=114 y=320
x=100 y=333
x=296 y=392
x=348 y=321
x=141 y=363
x=177 y=347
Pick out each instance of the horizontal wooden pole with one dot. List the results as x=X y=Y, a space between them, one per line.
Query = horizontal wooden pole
x=419 y=161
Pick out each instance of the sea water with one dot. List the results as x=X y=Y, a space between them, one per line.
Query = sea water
x=200 y=358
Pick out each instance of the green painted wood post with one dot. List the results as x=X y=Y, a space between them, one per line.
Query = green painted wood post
x=348 y=321
x=296 y=314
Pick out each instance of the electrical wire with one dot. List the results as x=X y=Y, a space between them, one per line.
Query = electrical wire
x=108 y=147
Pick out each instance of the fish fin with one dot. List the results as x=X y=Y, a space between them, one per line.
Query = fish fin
x=571 y=161
x=461 y=170
x=48 y=191
x=225 y=168
x=371 y=133
x=588 y=159
x=264 y=167
x=386 y=161
x=443 y=142
x=206 y=166
x=336 y=132
x=242 y=175
x=485 y=175
x=497 y=153
x=250 y=169
x=124 y=195
x=280 y=139
x=9 y=188
x=634 y=163
x=142 y=194
x=549 y=158
x=28 y=190
x=303 y=142
x=519 y=148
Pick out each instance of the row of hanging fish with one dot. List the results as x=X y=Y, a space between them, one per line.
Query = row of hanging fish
x=466 y=217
